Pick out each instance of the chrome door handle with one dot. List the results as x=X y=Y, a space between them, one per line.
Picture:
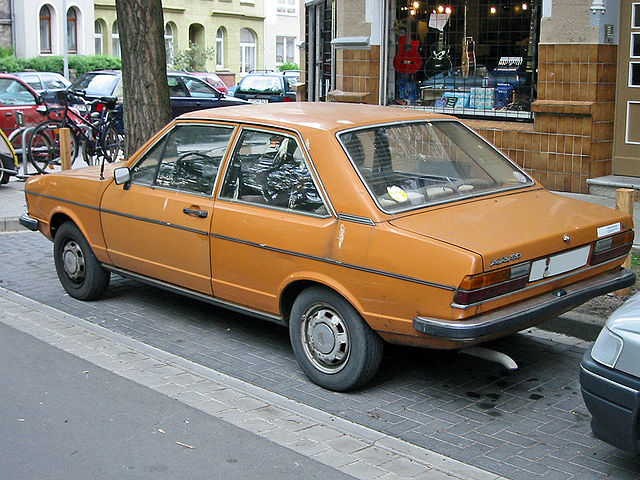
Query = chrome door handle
x=195 y=213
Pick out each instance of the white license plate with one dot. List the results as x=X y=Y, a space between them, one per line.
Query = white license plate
x=258 y=100
x=561 y=263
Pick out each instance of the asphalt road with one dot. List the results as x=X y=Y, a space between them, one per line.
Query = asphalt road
x=64 y=418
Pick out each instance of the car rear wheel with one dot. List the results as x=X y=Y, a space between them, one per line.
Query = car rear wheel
x=79 y=271
x=334 y=346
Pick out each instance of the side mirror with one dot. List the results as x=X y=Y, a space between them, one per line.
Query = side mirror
x=122 y=175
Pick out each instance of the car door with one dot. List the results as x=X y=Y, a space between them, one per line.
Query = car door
x=157 y=225
x=16 y=96
x=270 y=222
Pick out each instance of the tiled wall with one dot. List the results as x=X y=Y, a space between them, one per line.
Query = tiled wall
x=357 y=75
x=571 y=138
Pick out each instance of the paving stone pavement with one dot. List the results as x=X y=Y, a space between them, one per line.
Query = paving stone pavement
x=527 y=424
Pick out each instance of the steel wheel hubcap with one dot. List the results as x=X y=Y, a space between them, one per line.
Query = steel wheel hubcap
x=73 y=261
x=325 y=338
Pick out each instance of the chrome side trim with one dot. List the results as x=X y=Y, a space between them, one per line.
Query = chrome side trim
x=609 y=381
x=347 y=217
x=156 y=222
x=335 y=262
x=195 y=295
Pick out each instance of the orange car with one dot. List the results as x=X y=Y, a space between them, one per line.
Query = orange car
x=352 y=224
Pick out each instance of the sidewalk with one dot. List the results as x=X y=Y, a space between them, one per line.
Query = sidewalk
x=12 y=205
x=114 y=407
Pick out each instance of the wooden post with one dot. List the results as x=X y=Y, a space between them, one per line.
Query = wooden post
x=64 y=136
x=624 y=203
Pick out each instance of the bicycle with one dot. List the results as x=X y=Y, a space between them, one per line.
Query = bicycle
x=97 y=132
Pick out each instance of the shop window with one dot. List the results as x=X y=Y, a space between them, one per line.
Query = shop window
x=466 y=58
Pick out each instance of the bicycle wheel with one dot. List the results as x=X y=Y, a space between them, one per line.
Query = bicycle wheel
x=44 y=146
x=111 y=143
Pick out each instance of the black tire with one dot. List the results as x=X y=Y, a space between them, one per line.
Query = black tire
x=112 y=142
x=78 y=269
x=333 y=344
x=44 y=146
x=6 y=162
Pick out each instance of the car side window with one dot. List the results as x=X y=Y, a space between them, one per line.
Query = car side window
x=269 y=169
x=13 y=92
x=33 y=81
x=187 y=159
x=52 y=82
x=199 y=89
x=176 y=87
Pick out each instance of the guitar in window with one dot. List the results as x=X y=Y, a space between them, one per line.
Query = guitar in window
x=439 y=59
x=407 y=59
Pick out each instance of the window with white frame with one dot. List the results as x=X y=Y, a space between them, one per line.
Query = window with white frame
x=168 y=43
x=45 y=29
x=247 y=50
x=72 y=30
x=287 y=7
x=285 y=49
x=635 y=20
x=220 y=48
x=115 y=40
x=97 y=35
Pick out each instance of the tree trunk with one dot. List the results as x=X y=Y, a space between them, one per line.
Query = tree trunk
x=144 y=70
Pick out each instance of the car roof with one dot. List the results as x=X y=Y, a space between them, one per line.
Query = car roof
x=313 y=115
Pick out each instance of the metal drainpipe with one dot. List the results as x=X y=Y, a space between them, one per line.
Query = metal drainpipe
x=384 y=20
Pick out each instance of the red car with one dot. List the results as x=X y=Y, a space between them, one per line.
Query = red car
x=17 y=96
x=212 y=79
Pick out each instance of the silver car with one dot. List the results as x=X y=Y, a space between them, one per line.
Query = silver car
x=610 y=378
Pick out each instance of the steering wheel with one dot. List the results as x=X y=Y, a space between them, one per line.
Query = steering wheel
x=184 y=155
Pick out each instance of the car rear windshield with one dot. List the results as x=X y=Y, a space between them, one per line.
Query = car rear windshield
x=260 y=84
x=414 y=164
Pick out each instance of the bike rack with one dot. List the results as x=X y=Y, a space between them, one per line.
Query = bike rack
x=25 y=131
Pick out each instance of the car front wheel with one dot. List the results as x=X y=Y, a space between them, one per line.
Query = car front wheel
x=333 y=344
x=78 y=269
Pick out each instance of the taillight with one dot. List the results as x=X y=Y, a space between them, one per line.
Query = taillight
x=612 y=247
x=99 y=107
x=476 y=288
x=287 y=99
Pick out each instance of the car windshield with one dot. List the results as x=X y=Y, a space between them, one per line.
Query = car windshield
x=414 y=164
x=96 y=84
x=260 y=84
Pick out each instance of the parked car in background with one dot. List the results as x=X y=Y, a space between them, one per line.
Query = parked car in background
x=17 y=96
x=265 y=86
x=45 y=83
x=186 y=91
x=211 y=79
x=610 y=378
x=351 y=224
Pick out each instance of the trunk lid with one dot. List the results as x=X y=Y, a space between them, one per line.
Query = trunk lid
x=512 y=228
